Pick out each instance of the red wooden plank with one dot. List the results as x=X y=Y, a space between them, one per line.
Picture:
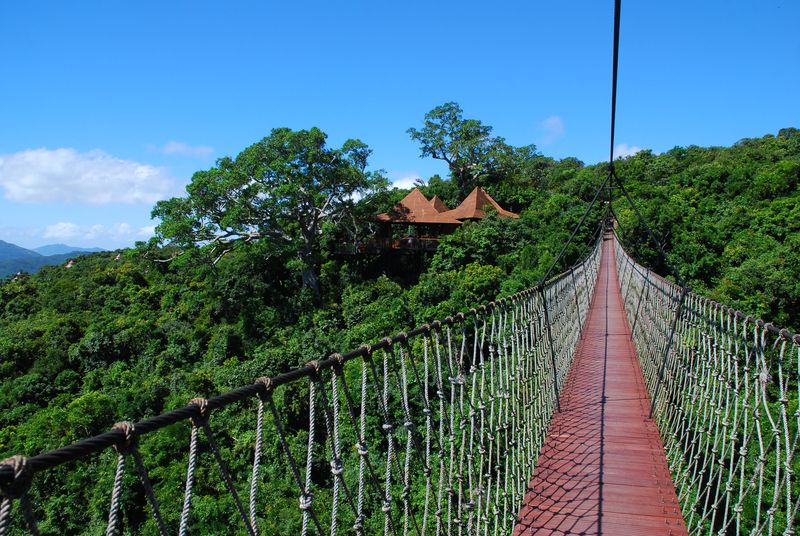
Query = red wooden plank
x=602 y=468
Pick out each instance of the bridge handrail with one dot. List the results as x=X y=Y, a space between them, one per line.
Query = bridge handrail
x=739 y=315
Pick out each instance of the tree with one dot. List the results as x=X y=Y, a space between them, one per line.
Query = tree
x=286 y=188
x=465 y=144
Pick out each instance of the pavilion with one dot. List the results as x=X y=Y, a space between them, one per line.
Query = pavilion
x=419 y=221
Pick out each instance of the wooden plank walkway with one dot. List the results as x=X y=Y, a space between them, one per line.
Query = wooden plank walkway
x=602 y=468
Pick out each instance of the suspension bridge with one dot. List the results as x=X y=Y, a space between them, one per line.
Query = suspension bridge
x=607 y=400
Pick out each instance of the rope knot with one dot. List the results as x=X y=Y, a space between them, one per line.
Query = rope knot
x=386 y=507
x=21 y=479
x=425 y=328
x=264 y=386
x=305 y=500
x=361 y=448
x=460 y=379
x=129 y=438
x=437 y=325
x=388 y=428
x=460 y=317
x=202 y=410
x=448 y=320
x=337 y=468
x=315 y=365
x=339 y=358
x=387 y=341
x=473 y=311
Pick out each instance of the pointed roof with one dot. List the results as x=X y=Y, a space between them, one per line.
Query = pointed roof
x=415 y=208
x=473 y=207
x=438 y=204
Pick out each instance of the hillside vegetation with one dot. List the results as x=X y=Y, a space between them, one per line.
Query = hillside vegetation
x=188 y=315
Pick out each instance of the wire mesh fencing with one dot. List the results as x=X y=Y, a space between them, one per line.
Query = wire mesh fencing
x=725 y=391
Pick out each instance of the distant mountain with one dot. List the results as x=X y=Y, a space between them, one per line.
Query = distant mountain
x=30 y=264
x=14 y=258
x=60 y=249
x=12 y=251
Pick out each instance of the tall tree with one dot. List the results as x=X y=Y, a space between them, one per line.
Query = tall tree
x=286 y=188
x=466 y=145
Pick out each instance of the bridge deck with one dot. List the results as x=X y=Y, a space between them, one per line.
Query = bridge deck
x=602 y=468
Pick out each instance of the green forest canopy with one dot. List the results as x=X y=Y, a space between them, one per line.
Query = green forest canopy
x=112 y=339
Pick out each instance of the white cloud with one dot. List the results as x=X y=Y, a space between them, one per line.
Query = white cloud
x=64 y=230
x=68 y=176
x=147 y=231
x=621 y=150
x=551 y=129
x=402 y=179
x=183 y=149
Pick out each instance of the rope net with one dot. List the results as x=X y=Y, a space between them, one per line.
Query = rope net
x=435 y=431
x=725 y=393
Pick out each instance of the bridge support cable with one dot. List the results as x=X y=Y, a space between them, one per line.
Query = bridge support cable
x=613 y=179
x=433 y=431
x=727 y=410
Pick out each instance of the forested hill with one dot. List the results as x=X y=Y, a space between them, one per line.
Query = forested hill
x=113 y=339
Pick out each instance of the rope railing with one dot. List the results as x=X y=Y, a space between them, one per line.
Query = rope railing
x=433 y=431
x=725 y=392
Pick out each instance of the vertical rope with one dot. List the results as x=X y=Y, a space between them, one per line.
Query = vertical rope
x=17 y=488
x=307 y=496
x=362 y=450
x=113 y=513
x=202 y=419
x=266 y=386
x=190 y=471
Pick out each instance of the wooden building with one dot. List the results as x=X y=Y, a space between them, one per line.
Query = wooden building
x=416 y=222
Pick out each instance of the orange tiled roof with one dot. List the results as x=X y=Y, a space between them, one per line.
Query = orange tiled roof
x=438 y=204
x=473 y=207
x=415 y=208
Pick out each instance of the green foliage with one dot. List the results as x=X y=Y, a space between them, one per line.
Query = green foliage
x=728 y=219
x=111 y=339
x=466 y=145
x=282 y=189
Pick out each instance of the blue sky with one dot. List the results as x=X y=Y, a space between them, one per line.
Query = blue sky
x=108 y=106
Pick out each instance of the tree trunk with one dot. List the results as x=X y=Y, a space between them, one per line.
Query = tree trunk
x=311 y=281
